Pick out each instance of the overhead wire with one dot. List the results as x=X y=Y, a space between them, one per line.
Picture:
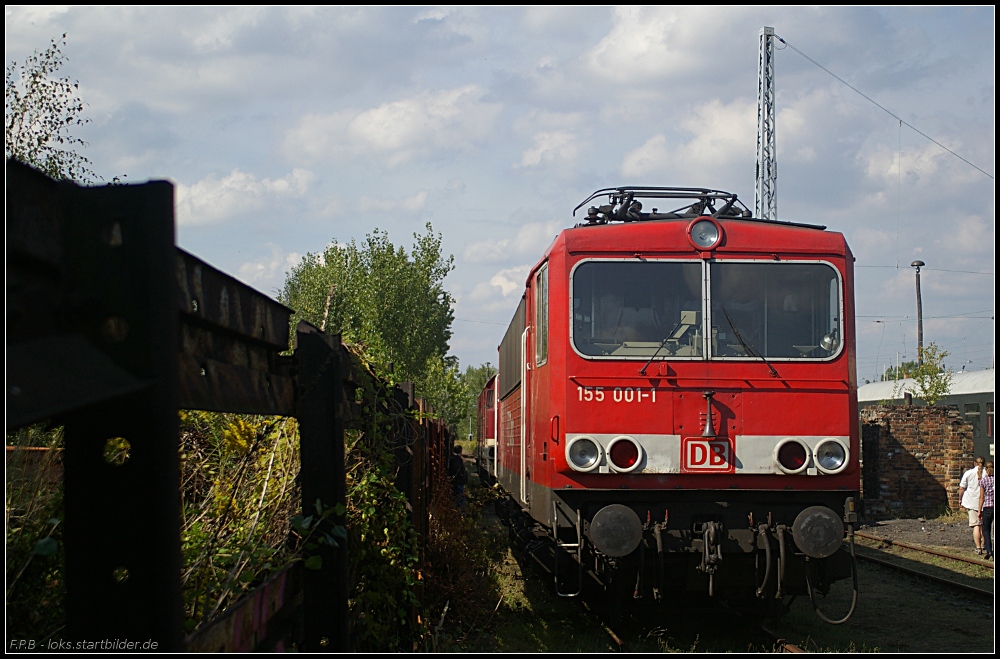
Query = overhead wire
x=884 y=109
x=483 y=322
x=925 y=268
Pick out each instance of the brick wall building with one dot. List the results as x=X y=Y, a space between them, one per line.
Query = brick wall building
x=913 y=458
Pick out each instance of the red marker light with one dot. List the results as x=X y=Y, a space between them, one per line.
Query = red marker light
x=792 y=456
x=624 y=454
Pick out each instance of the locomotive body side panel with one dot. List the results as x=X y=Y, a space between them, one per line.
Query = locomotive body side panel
x=509 y=442
x=538 y=370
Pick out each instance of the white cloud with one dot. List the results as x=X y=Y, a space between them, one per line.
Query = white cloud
x=539 y=119
x=511 y=280
x=653 y=156
x=36 y=13
x=497 y=295
x=410 y=204
x=318 y=135
x=882 y=165
x=398 y=130
x=869 y=244
x=723 y=134
x=967 y=234
x=551 y=146
x=653 y=42
x=803 y=155
x=218 y=33
x=269 y=270
x=531 y=240
x=433 y=13
x=212 y=200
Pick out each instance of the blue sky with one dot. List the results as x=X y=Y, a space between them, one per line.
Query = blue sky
x=284 y=129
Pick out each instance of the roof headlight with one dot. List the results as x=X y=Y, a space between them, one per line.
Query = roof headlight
x=705 y=233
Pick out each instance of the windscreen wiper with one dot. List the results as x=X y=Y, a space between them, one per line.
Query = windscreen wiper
x=747 y=349
x=642 y=371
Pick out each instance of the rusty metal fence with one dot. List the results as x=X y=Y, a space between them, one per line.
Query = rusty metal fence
x=111 y=329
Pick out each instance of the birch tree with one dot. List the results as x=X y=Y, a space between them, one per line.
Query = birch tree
x=41 y=109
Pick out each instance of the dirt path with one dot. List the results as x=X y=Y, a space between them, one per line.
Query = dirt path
x=951 y=532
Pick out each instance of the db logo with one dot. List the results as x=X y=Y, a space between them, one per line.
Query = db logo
x=703 y=454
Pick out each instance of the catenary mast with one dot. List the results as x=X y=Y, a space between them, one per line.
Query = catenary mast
x=766 y=184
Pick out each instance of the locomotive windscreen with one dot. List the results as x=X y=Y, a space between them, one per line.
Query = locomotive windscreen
x=779 y=310
x=511 y=354
x=641 y=309
x=628 y=308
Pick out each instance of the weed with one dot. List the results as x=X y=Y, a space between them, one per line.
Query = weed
x=238 y=493
x=35 y=588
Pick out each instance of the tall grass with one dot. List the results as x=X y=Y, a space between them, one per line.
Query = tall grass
x=238 y=493
x=35 y=586
x=464 y=584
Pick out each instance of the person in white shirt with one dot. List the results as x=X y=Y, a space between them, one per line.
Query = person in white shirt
x=968 y=491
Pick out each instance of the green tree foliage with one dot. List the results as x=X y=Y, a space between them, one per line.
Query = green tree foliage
x=376 y=294
x=444 y=388
x=454 y=394
x=40 y=111
x=392 y=306
x=473 y=380
x=932 y=379
x=905 y=370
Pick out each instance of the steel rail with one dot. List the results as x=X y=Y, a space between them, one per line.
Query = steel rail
x=781 y=644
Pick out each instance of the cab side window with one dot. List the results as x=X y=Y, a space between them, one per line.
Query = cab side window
x=542 y=316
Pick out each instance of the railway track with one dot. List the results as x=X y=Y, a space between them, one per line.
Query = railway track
x=871 y=555
x=643 y=628
x=925 y=550
x=780 y=644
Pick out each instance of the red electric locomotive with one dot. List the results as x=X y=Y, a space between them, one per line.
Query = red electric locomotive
x=486 y=432
x=678 y=402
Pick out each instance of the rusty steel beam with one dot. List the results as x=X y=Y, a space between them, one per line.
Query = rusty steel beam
x=223 y=301
x=231 y=337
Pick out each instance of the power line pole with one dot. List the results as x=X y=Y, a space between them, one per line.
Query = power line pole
x=920 y=316
x=766 y=184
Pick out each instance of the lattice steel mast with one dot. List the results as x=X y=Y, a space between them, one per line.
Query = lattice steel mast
x=766 y=186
